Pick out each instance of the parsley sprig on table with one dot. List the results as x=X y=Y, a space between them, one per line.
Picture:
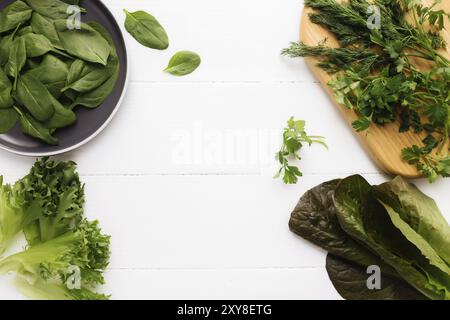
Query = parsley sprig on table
x=377 y=75
x=294 y=137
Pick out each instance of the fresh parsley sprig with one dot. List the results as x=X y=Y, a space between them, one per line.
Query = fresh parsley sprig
x=294 y=138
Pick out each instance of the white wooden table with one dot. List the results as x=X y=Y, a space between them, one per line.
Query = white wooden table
x=182 y=178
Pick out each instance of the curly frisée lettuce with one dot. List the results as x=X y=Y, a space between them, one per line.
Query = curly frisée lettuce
x=66 y=254
x=56 y=186
x=53 y=290
x=80 y=256
x=14 y=215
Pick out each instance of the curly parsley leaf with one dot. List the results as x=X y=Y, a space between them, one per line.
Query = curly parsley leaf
x=294 y=138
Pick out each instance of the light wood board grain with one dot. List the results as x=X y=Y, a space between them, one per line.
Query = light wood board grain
x=383 y=143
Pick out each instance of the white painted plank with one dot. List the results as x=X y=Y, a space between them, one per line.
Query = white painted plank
x=210 y=284
x=207 y=222
x=238 y=40
x=218 y=128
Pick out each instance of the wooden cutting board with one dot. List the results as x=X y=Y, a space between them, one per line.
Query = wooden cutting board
x=383 y=143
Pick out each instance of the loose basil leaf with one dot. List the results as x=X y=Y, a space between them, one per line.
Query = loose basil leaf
x=37 y=45
x=35 y=129
x=33 y=94
x=84 y=77
x=52 y=72
x=314 y=219
x=350 y=280
x=17 y=59
x=146 y=30
x=419 y=211
x=15 y=14
x=8 y=119
x=62 y=117
x=365 y=219
x=6 y=100
x=54 y=9
x=85 y=43
x=183 y=63
x=45 y=26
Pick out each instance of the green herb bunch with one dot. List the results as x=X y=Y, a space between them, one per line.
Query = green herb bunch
x=294 y=137
x=377 y=74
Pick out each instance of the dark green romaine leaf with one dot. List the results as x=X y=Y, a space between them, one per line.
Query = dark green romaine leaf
x=17 y=59
x=365 y=219
x=54 y=9
x=8 y=119
x=425 y=248
x=33 y=94
x=15 y=14
x=419 y=211
x=6 y=100
x=146 y=30
x=85 y=43
x=350 y=280
x=35 y=129
x=315 y=220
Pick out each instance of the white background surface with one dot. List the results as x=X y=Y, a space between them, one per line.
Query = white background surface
x=193 y=213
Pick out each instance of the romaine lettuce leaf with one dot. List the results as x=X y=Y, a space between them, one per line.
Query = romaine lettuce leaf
x=419 y=211
x=363 y=217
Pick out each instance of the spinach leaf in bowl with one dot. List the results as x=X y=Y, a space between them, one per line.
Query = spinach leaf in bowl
x=15 y=14
x=52 y=72
x=85 y=43
x=33 y=94
x=45 y=26
x=8 y=119
x=17 y=59
x=35 y=129
x=6 y=100
x=54 y=9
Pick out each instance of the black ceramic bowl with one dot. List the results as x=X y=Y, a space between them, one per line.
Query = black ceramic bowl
x=90 y=121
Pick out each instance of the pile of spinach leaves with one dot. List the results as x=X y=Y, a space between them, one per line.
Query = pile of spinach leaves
x=393 y=226
x=47 y=69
